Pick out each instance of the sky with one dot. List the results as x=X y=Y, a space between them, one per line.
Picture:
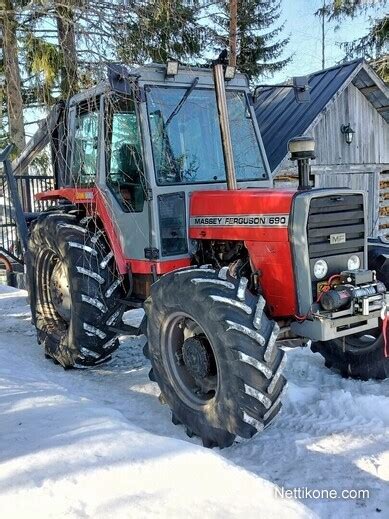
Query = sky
x=304 y=30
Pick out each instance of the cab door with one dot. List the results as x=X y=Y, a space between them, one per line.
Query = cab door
x=122 y=178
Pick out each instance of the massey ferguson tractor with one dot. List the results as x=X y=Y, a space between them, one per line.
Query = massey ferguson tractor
x=164 y=200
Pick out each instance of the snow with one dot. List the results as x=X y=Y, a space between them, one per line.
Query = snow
x=97 y=443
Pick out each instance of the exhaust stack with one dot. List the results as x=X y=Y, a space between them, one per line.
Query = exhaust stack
x=218 y=74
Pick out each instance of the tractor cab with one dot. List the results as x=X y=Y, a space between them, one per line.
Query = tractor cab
x=147 y=140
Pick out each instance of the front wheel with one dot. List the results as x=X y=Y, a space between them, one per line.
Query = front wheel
x=214 y=354
x=357 y=356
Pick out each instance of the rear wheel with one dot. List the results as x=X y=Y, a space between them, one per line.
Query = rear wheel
x=361 y=355
x=76 y=290
x=214 y=354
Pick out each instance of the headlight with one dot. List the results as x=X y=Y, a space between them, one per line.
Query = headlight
x=353 y=262
x=320 y=269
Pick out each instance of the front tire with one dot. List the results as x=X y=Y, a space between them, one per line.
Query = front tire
x=361 y=357
x=76 y=290
x=214 y=355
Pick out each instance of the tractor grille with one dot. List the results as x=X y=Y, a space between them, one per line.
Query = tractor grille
x=332 y=219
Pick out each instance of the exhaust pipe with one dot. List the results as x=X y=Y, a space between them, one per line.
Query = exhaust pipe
x=221 y=98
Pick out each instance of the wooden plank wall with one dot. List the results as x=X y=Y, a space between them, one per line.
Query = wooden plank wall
x=371 y=139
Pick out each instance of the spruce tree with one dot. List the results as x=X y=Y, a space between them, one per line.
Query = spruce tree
x=374 y=45
x=260 y=44
x=158 y=30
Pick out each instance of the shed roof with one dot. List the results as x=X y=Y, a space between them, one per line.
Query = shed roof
x=280 y=117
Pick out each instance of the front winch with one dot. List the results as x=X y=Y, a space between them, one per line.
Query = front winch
x=359 y=287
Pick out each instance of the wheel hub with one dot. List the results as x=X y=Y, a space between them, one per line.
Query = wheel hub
x=60 y=291
x=197 y=357
x=189 y=359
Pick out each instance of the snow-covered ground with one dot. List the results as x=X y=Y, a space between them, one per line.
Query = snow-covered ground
x=97 y=443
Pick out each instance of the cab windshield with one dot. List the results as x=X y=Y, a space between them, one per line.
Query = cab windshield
x=187 y=145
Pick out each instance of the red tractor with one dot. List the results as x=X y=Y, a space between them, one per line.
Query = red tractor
x=165 y=201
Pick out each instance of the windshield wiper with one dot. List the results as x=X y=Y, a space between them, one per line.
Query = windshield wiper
x=183 y=100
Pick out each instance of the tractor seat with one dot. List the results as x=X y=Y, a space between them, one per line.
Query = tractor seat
x=129 y=173
x=130 y=164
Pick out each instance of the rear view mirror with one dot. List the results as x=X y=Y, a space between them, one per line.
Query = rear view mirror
x=301 y=89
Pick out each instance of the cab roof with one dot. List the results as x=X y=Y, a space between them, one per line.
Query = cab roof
x=121 y=78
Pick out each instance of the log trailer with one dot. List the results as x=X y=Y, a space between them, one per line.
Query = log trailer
x=164 y=200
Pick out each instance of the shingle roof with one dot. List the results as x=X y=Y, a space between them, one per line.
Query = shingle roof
x=280 y=117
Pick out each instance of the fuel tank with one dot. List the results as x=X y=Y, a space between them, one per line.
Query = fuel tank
x=259 y=218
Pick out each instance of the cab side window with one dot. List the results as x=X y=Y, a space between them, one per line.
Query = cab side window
x=85 y=144
x=125 y=174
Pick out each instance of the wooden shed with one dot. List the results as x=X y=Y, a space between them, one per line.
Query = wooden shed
x=349 y=94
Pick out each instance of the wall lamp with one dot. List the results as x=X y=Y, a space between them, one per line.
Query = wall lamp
x=348 y=133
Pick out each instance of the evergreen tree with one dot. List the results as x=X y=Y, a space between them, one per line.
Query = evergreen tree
x=373 y=46
x=260 y=44
x=158 y=30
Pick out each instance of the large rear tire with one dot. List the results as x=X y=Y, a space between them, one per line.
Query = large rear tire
x=76 y=290
x=361 y=356
x=214 y=354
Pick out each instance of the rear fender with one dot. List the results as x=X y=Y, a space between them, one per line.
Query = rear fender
x=96 y=206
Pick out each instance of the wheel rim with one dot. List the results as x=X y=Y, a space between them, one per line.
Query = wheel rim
x=189 y=360
x=60 y=290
